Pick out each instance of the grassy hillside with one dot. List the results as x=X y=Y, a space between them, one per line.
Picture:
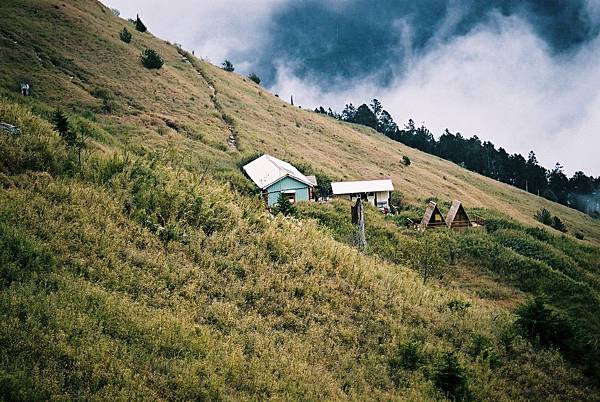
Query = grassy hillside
x=152 y=271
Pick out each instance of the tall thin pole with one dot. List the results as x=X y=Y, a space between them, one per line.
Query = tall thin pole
x=358 y=218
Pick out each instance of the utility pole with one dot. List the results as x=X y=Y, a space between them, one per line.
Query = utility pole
x=358 y=218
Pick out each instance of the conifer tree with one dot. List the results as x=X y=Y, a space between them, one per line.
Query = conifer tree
x=151 y=59
x=62 y=125
x=284 y=206
x=139 y=25
x=228 y=66
x=125 y=35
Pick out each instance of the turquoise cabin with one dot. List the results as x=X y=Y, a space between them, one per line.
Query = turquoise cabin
x=274 y=177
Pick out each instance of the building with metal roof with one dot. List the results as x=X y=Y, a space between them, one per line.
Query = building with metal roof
x=376 y=192
x=274 y=177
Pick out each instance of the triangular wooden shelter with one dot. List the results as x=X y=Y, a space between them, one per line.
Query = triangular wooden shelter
x=458 y=217
x=432 y=218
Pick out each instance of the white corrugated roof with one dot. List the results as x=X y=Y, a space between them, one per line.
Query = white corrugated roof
x=312 y=179
x=267 y=170
x=365 y=186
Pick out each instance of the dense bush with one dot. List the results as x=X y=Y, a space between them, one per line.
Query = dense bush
x=151 y=59
x=255 y=78
x=529 y=246
x=109 y=104
x=558 y=224
x=125 y=35
x=228 y=66
x=406 y=160
x=284 y=206
x=543 y=325
x=451 y=378
x=544 y=216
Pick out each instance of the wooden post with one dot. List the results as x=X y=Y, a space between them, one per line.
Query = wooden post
x=358 y=218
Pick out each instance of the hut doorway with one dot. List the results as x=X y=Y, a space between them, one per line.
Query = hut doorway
x=432 y=218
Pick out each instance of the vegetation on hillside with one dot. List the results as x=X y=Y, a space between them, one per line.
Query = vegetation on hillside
x=125 y=35
x=579 y=191
x=138 y=278
x=151 y=59
x=147 y=267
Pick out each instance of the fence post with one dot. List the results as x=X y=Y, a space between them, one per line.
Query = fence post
x=358 y=218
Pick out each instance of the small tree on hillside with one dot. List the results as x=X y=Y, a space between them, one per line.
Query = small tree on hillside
x=544 y=216
x=451 y=378
x=125 y=35
x=74 y=139
x=543 y=325
x=284 y=206
x=151 y=59
x=228 y=66
x=62 y=125
x=558 y=224
x=428 y=255
x=255 y=78
x=80 y=143
x=139 y=25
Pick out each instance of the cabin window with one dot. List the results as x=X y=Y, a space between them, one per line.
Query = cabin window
x=290 y=195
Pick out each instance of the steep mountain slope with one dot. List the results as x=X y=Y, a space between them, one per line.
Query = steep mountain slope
x=151 y=271
x=264 y=123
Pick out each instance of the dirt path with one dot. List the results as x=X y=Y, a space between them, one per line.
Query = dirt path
x=229 y=122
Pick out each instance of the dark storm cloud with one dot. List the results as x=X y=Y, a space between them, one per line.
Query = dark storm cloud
x=334 y=41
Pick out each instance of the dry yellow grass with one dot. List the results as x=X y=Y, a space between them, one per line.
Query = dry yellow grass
x=265 y=123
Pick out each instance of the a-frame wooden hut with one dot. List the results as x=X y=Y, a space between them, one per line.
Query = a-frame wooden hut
x=432 y=218
x=457 y=217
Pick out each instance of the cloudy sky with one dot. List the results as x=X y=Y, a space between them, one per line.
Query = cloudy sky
x=524 y=74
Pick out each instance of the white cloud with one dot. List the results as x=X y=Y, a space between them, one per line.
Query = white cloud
x=501 y=83
x=213 y=29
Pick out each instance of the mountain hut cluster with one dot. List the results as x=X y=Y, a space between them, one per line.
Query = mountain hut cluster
x=275 y=178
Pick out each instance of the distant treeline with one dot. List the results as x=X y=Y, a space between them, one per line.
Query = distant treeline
x=580 y=191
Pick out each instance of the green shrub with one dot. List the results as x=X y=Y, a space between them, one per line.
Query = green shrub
x=528 y=246
x=451 y=378
x=558 y=224
x=108 y=99
x=544 y=216
x=579 y=235
x=406 y=160
x=458 y=306
x=543 y=325
x=151 y=59
x=407 y=356
x=125 y=35
x=255 y=78
x=284 y=206
x=228 y=66
x=431 y=254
